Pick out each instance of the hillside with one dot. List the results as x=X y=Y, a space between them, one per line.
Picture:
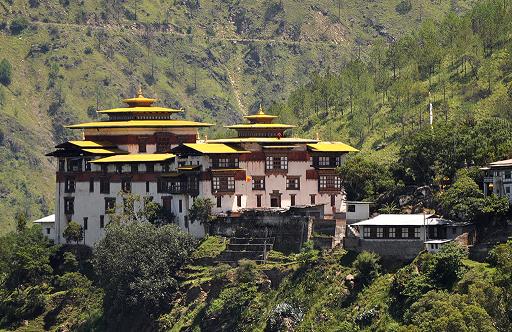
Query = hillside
x=218 y=60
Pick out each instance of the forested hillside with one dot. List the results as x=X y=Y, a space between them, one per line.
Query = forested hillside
x=217 y=59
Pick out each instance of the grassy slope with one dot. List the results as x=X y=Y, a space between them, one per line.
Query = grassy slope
x=217 y=61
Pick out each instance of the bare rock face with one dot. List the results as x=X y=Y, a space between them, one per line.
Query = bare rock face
x=349 y=281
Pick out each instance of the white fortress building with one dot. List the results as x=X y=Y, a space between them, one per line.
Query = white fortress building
x=141 y=149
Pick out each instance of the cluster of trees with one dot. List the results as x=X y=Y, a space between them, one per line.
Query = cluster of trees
x=438 y=293
x=129 y=278
x=449 y=63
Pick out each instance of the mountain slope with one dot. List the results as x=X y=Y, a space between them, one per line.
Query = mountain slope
x=218 y=60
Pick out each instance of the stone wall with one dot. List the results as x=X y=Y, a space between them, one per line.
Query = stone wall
x=399 y=249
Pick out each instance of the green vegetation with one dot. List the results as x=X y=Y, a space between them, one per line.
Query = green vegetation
x=73 y=232
x=216 y=60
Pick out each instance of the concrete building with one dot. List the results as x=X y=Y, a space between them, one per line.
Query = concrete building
x=357 y=211
x=498 y=178
x=141 y=149
x=47 y=226
x=405 y=235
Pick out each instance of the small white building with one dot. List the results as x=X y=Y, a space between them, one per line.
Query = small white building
x=48 y=226
x=405 y=235
x=357 y=211
x=498 y=178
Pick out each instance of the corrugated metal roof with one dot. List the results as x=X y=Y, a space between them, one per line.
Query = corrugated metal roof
x=128 y=158
x=139 y=124
x=402 y=220
x=215 y=148
x=331 y=147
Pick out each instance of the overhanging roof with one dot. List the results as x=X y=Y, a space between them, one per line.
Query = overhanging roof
x=215 y=148
x=331 y=147
x=87 y=144
x=133 y=158
x=260 y=126
x=274 y=140
x=403 y=220
x=501 y=163
x=47 y=219
x=139 y=124
x=142 y=109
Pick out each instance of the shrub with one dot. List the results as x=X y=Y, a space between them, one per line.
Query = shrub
x=73 y=232
x=367 y=266
x=22 y=303
x=5 y=72
x=246 y=271
x=18 y=25
x=447 y=266
x=284 y=316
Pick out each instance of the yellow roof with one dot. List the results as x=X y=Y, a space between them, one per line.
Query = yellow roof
x=143 y=109
x=104 y=151
x=260 y=115
x=215 y=148
x=284 y=140
x=331 y=147
x=91 y=144
x=259 y=126
x=130 y=158
x=140 y=124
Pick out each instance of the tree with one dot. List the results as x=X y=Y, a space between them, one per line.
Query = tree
x=364 y=178
x=5 y=72
x=73 y=232
x=367 y=266
x=136 y=264
x=447 y=267
x=201 y=211
x=18 y=25
x=25 y=258
x=137 y=208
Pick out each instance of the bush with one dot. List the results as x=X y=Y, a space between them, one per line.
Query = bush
x=73 y=232
x=247 y=271
x=403 y=7
x=284 y=316
x=447 y=266
x=367 y=266
x=72 y=280
x=136 y=264
x=18 y=25
x=5 y=72
x=22 y=303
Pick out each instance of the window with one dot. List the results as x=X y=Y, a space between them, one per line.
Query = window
x=126 y=185
x=110 y=204
x=323 y=161
x=167 y=203
x=69 y=185
x=104 y=186
x=258 y=183
x=75 y=165
x=69 y=205
x=104 y=168
x=48 y=231
x=142 y=143
x=417 y=232
x=134 y=168
x=147 y=186
x=166 y=168
x=163 y=142
x=87 y=165
x=391 y=232
x=333 y=200
x=91 y=185
x=119 y=168
x=380 y=232
x=180 y=206
x=86 y=220
x=292 y=183
x=508 y=174
x=102 y=221
x=312 y=198
x=507 y=190
x=258 y=200
x=326 y=161
x=225 y=163
x=366 y=231
x=276 y=163
x=62 y=165
x=292 y=199
x=239 y=200
x=223 y=183
x=351 y=208
x=219 y=201
x=329 y=182
x=150 y=168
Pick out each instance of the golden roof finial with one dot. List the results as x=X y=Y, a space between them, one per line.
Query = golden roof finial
x=317 y=136
x=139 y=92
x=261 y=112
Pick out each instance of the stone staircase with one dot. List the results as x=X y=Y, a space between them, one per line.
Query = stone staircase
x=255 y=249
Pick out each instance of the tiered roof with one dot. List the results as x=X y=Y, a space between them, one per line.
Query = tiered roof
x=140 y=113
